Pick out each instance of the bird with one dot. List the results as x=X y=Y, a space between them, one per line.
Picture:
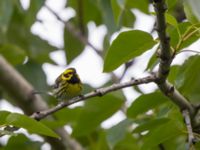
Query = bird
x=67 y=85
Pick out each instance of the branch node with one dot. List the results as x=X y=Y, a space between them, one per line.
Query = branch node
x=132 y=78
x=81 y=96
x=169 y=91
x=167 y=38
x=99 y=92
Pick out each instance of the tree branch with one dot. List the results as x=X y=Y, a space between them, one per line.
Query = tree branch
x=165 y=60
x=165 y=53
x=99 y=92
x=191 y=137
x=170 y=91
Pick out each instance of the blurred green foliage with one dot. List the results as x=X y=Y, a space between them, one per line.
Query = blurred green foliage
x=150 y=121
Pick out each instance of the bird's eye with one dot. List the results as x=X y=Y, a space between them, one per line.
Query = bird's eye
x=66 y=75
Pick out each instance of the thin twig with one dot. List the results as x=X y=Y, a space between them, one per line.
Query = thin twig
x=75 y=32
x=127 y=66
x=191 y=137
x=188 y=50
x=99 y=92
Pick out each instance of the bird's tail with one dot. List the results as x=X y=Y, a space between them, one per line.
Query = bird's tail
x=42 y=92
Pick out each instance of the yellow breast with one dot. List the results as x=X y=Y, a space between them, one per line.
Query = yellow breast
x=73 y=90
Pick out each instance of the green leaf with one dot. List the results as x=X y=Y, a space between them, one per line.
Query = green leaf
x=108 y=16
x=171 y=4
x=34 y=73
x=153 y=61
x=73 y=46
x=101 y=142
x=152 y=124
x=177 y=143
x=127 y=143
x=23 y=121
x=186 y=34
x=171 y=20
x=94 y=112
x=126 y=46
x=21 y=142
x=141 y=5
x=6 y=10
x=70 y=115
x=189 y=13
x=36 y=48
x=145 y=102
x=14 y=54
x=95 y=141
x=194 y=4
x=39 y=49
x=197 y=145
x=63 y=117
x=31 y=13
x=3 y=115
x=127 y=18
x=116 y=10
x=161 y=134
x=89 y=10
x=188 y=79
x=123 y=16
x=173 y=74
x=118 y=132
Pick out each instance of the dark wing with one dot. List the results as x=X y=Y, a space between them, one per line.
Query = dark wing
x=57 y=82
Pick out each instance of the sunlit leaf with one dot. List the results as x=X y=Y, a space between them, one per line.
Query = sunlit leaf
x=31 y=125
x=23 y=121
x=126 y=46
x=171 y=20
x=184 y=35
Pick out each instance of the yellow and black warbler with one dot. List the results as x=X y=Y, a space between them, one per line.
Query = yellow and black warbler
x=67 y=85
